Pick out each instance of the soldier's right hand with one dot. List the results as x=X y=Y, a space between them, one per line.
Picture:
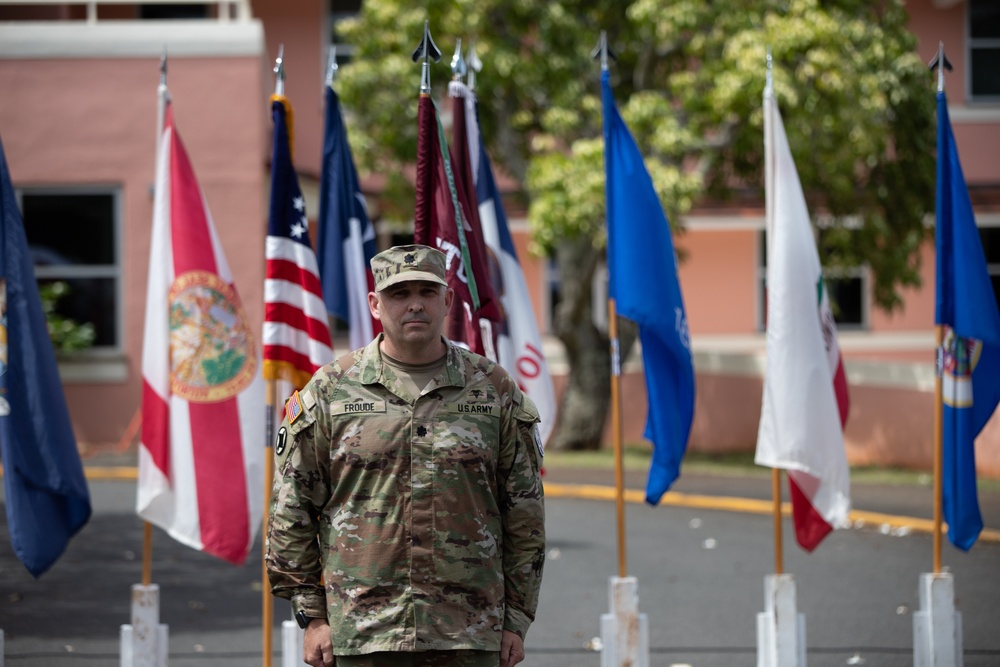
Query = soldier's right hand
x=317 y=648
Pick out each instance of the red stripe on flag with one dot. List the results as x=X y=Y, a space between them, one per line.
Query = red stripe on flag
x=156 y=428
x=216 y=439
x=810 y=526
x=840 y=389
x=220 y=479
x=376 y=324
x=283 y=313
x=283 y=269
x=288 y=355
x=190 y=238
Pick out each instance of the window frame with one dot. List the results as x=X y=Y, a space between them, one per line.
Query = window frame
x=113 y=271
x=972 y=43
x=862 y=272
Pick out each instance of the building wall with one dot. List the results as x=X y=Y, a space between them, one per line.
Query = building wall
x=91 y=120
x=79 y=107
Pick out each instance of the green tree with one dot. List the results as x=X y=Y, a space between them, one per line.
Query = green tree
x=67 y=335
x=856 y=101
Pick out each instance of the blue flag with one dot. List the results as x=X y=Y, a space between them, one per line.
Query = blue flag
x=642 y=271
x=46 y=494
x=346 y=240
x=967 y=309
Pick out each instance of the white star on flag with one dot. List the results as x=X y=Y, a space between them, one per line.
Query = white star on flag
x=299 y=203
x=299 y=228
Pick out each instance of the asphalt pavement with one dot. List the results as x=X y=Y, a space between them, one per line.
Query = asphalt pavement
x=700 y=573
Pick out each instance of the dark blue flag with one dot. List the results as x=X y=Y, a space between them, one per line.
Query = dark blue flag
x=642 y=271
x=967 y=309
x=46 y=494
x=346 y=240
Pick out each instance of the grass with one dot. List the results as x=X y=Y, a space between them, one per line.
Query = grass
x=636 y=457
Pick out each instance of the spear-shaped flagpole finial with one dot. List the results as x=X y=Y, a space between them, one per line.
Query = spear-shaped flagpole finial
x=941 y=62
x=279 y=71
x=163 y=67
x=603 y=51
x=426 y=50
x=331 y=65
x=458 y=62
x=769 y=76
x=474 y=65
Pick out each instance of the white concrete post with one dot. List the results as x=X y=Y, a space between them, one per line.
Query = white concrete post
x=144 y=642
x=292 y=637
x=781 y=630
x=624 y=631
x=937 y=627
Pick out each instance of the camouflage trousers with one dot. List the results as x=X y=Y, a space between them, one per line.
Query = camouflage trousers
x=421 y=659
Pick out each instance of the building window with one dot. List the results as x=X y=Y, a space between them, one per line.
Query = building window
x=340 y=10
x=74 y=237
x=984 y=50
x=846 y=288
x=190 y=10
x=990 y=237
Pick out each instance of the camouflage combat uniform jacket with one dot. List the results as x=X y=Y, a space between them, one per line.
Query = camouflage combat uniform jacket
x=429 y=511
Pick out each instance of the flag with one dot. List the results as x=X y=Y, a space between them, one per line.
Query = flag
x=805 y=402
x=519 y=343
x=296 y=330
x=441 y=221
x=485 y=268
x=967 y=310
x=642 y=269
x=46 y=494
x=202 y=448
x=346 y=240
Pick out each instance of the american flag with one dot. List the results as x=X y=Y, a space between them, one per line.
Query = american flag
x=296 y=329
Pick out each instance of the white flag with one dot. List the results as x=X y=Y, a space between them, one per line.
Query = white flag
x=805 y=391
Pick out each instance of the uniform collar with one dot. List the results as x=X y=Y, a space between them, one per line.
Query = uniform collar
x=373 y=369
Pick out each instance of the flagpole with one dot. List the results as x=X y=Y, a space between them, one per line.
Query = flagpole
x=602 y=51
x=938 y=443
x=616 y=423
x=779 y=565
x=267 y=602
x=162 y=95
x=941 y=62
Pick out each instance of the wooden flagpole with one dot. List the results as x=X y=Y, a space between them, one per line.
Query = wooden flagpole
x=616 y=421
x=779 y=565
x=161 y=112
x=938 y=444
x=779 y=562
x=267 y=602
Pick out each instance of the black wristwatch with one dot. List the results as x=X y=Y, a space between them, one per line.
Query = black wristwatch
x=303 y=620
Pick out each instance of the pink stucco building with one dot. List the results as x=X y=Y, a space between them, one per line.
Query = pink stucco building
x=78 y=121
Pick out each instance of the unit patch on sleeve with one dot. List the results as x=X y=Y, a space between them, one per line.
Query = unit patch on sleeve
x=280 y=441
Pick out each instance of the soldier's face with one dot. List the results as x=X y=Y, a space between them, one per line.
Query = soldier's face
x=412 y=313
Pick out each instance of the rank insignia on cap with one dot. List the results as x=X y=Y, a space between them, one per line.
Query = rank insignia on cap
x=293 y=408
x=409 y=259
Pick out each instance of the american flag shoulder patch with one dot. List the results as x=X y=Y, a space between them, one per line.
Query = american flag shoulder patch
x=293 y=408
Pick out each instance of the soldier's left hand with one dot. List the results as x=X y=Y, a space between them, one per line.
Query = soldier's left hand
x=511 y=649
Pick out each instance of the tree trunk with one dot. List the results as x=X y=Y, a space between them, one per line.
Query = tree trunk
x=587 y=398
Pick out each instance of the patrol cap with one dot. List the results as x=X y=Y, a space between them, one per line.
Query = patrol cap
x=408 y=262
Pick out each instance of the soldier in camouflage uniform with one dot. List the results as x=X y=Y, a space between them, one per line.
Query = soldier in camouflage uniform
x=407 y=521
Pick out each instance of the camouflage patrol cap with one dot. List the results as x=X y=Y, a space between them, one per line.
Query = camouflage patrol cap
x=408 y=262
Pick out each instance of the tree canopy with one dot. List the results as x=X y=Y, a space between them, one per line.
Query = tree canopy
x=857 y=103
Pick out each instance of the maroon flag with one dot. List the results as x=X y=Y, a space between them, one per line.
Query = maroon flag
x=485 y=265
x=442 y=220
